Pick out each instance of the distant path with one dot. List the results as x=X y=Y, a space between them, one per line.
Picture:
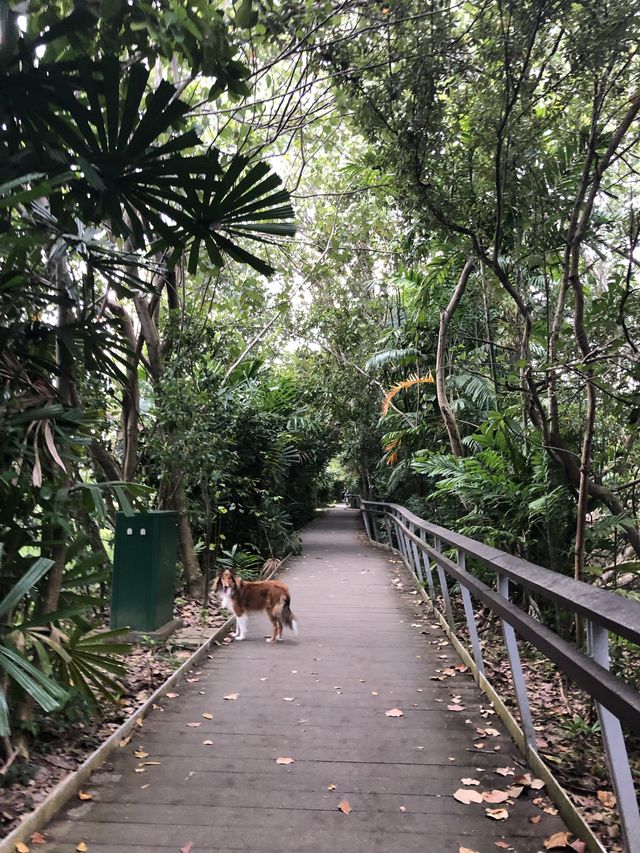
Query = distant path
x=364 y=648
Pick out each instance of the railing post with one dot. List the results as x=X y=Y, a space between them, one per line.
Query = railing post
x=389 y=530
x=615 y=748
x=427 y=572
x=444 y=588
x=417 y=562
x=471 y=618
x=519 y=686
x=366 y=520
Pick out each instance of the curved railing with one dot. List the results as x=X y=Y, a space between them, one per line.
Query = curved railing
x=422 y=546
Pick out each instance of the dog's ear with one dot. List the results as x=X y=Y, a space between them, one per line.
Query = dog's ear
x=216 y=583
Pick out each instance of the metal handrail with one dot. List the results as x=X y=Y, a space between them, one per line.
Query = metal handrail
x=618 y=703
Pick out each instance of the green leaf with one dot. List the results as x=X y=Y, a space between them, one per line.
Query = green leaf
x=26 y=582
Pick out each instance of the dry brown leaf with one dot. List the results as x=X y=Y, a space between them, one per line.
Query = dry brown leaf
x=37 y=838
x=191 y=680
x=284 y=760
x=139 y=753
x=578 y=846
x=140 y=770
x=497 y=814
x=467 y=796
x=394 y=712
x=515 y=792
x=151 y=763
x=82 y=847
x=479 y=744
x=455 y=708
x=536 y=784
x=139 y=722
x=187 y=848
x=124 y=741
x=194 y=725
x=85 y=795
x=331 y=787
x=495 y=796
x=466 y=850
x=503 y=844
x=505 y=771
x=403 y=808
x=232 y=697
x=607 y=799
x=536 y=818
x=558 y=839
x=492 y=732
x=470 y=781
x=208 y=716
x=207 y=743
x=344 y=807
x=172 y=695
x=21 y=848
x=288 y=698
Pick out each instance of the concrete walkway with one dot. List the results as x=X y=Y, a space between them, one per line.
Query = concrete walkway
x=366 y=646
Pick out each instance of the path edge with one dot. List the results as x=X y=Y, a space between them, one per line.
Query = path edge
x=568 y=812
x=71 y=784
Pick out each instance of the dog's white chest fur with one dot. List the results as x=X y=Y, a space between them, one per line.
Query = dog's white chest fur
x=226 y=601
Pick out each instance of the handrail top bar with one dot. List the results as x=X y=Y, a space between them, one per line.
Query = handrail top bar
x=618 y=614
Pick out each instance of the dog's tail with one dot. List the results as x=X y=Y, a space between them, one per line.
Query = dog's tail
x=288 y=617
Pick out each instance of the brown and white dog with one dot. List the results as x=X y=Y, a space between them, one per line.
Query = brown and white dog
x=241 y=597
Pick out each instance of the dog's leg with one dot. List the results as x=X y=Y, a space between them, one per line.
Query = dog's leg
x=279 y=629
x=241 y=627
x=274 y=626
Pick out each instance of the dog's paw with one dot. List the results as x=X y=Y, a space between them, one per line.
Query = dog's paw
x=239 y=639
x=268 y=640
x=279 y=639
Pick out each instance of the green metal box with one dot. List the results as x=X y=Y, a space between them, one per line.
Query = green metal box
x=144 y=568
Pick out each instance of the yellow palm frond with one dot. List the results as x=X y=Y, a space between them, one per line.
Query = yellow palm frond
x=406 y=383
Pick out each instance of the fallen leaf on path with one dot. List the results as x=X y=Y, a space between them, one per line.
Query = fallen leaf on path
x=515 y=791
x=503 y=844
x=467 y=796
x=466 y=850
x=21 y=848
x=142 y=787
x=139 y=753
x=172 y=695
x=479 y=744
x=403 y=808
x=558 y=839
x=37 y=838
x=124 y=741
x=331 y=787
x=232 y=697
x=139 y=722
x=536 y=784
x=536 y=818
x=139 y=770
x=151 y=763
x=495 y=796
x=191 y=680
x=497 y=814
x=208 y=716
x=207 y=743
x=606 y=798
x=344 y=807
x=284 y=760
x=187 y=848
x=288 y=698
x=455 y=708
x=194 y=725
x=394 y=712
x=374 y=692
x=82 y=847
x=470 y=781
x=84 y=795
x=505 y=771
x=578 y=846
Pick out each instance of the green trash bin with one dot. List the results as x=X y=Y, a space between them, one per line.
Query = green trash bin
x=144 y=570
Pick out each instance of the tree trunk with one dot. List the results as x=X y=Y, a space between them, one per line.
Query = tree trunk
x=192 y=573
x=446 y=315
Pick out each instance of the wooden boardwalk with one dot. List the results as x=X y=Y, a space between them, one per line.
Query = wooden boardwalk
x=365 y=647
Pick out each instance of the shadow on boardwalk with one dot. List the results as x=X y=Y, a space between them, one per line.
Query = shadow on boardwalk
x=365 y=647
